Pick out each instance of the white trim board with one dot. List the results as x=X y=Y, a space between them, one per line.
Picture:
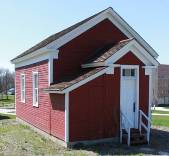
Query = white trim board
x=67 y=117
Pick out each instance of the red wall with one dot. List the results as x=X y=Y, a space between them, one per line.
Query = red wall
x=48 y=105
x=74 y=53
x=58 y=115
x=95 y=106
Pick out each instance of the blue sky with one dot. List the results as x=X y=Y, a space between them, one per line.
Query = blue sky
x=25 y=23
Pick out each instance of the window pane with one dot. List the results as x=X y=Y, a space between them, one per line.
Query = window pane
x=126 y=72
x=36 y=80
x=132 y=72
x=35 y=89
x=36 y=95
x=22 y=88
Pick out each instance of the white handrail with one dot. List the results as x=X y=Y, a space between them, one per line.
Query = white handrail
x=126 y=127
x=141 y=124
x=145 y=115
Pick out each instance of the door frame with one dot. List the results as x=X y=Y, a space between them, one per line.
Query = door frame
x=136 y=67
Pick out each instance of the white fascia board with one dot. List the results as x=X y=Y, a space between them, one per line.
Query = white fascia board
x=150 y=67
x=137 y=50
x=92 y=65
x=69 y=89
x=130 y=32
x=35 y=57
x=77 y=31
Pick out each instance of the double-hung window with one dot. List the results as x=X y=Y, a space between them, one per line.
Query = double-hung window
x=22 y=78
x=35 y=89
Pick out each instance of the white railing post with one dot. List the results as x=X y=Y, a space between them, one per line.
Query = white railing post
x=121 y=132
x=147 y=128
x=127 y=126
x=140 y=118
x=128 y=141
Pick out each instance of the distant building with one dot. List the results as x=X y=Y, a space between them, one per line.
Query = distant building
x=163 y=84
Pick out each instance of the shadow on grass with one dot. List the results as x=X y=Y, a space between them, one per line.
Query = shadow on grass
x=5 y=117
x=159 y=145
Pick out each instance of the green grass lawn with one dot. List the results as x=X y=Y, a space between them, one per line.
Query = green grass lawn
x=17 y=139
x=160 y=112
x=7 y=102
x=158 y=120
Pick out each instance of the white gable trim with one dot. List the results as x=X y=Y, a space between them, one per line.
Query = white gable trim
x=115 y=19
x=107 y=14
x=132 y=46
x=137 y=50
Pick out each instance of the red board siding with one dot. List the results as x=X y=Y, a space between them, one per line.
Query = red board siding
x=74 y=53
x=95 y=106
x=39 y=117
x=94 y=109
x=58 y=116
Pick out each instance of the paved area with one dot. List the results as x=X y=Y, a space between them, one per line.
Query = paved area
x=8 y=111
x=160 y=108
x=160 y=114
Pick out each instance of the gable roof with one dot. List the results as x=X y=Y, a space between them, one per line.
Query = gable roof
x=88 y=73
x=84 y=76
x=107 y=12
x=55 y=36
x=106 y=52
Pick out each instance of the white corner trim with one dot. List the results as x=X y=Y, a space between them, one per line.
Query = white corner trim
x=52 y=55
x=149 y=72
x=110 y=71
x=111 y=68
x=67 y=117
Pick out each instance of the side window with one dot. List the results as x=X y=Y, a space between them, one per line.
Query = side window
x=35 y=89
x=22 y=78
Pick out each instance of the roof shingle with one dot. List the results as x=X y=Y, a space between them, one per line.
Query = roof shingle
x=70 y=80
x=55 y=36
x=106 y=52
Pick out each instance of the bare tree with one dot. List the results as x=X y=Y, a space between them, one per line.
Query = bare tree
x=7 y=79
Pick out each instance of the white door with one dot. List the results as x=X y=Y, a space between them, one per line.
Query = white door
x=129 y=95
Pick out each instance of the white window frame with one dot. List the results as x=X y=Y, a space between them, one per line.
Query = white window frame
x=35 y=103
x=23 y=94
